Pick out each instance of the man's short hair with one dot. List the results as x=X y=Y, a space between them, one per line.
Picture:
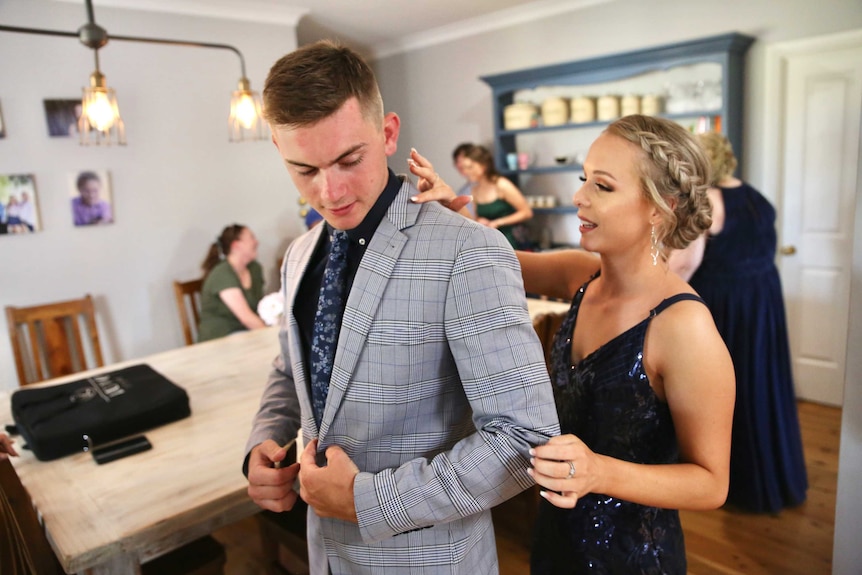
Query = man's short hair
x=314 y=81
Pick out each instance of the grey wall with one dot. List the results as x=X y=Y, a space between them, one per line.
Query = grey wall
x=442 y=102
x=176 y=184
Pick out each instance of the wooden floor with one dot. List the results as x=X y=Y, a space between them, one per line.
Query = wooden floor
x=722 y=542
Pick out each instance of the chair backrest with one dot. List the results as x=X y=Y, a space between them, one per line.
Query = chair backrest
x=546 y=326
x=24 y=547
x=46 y=339
x=188 y=296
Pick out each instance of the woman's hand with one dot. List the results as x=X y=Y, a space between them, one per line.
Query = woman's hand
x=566 y=468
x=432 y=187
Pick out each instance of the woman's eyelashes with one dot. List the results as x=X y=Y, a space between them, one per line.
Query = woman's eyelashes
x=598 y=184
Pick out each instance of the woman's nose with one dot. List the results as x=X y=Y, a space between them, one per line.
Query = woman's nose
x=578 y=198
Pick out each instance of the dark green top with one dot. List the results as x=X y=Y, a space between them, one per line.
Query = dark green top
x=495 y=210
x=216 y=318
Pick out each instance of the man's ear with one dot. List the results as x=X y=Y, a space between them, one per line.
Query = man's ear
x=391 y=129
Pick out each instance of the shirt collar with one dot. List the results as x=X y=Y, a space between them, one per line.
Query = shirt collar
x=362 y=233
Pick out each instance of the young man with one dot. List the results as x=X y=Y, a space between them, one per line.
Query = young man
x=438 y=386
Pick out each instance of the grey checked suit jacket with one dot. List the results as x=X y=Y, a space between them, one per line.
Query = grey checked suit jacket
x=439 y=389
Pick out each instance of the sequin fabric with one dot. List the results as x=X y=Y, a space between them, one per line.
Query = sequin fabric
x=327 y=322
x=607 y=401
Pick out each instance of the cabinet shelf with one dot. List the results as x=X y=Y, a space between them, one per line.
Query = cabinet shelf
x=544 y=170
x=717 y=62
x=557 y=210
x=601 y=124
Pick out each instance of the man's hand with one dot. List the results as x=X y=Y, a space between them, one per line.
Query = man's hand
x=270 y=487
x=328 y=490
x=432 y=187
x=6 y=448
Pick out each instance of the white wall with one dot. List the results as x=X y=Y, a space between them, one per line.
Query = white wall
x=176 y=184
x=442 y=102
x=847 y=555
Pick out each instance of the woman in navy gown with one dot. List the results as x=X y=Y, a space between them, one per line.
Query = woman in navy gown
x=733 y=270
x=643 y=382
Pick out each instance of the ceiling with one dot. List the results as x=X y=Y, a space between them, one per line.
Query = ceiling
x=377 y=28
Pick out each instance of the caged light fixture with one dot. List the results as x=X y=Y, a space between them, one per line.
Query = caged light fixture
x=100 y=122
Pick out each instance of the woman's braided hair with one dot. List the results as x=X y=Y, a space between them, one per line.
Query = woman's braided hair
x=720 y=154
x=674 y=177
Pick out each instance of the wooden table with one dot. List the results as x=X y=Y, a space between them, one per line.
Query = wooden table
x=110 y=518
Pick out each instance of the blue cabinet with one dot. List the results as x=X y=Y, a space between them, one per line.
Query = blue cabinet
x=699 y=82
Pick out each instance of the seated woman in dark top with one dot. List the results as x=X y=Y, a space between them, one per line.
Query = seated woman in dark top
x=233 y=285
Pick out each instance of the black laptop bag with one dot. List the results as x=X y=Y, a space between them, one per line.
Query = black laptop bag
x=53 y=420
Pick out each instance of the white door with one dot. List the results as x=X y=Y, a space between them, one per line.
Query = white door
x=821 y=88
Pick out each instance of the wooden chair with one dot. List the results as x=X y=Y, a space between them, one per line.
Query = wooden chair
x=546 y=326
x=24 y=547
x=191 y=291
x=285 y=532
x=46 y=339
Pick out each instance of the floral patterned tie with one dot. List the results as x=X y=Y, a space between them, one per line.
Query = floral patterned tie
x=327 y=322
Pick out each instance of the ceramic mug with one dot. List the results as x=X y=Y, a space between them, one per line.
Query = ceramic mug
x=512 y=161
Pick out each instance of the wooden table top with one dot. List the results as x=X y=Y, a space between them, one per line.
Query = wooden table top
x=189 y=484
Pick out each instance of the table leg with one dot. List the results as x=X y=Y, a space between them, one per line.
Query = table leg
x=121 y=564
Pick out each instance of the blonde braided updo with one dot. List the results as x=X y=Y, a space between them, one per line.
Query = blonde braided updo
x=720 y=154
x=674 y=177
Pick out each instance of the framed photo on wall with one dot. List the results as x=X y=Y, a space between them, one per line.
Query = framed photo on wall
x=91 y=198
x=18 y=211
x=62 y=117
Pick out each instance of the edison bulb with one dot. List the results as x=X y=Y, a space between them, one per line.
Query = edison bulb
x=99 y=110
x=246 y=111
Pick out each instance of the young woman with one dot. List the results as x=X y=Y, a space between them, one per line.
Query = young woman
x=498 y=202
x=733 y=268
x=233 y=285
x=643 y=382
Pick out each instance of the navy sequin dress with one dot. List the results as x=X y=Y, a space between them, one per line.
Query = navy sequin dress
x=740 y=284
x=606 y=400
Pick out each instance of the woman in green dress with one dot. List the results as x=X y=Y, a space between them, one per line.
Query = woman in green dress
x=498 y=203
x=233 y=285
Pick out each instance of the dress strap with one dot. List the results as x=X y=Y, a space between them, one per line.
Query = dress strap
x=666 y=303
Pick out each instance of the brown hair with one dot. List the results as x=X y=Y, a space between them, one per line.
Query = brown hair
x=482 y=156
x=461 y=150
x=720 y=153
x=314 y=81
x=674 y=176
x=85 y=177
x=220 y=248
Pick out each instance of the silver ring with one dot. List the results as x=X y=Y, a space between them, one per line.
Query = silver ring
x=571 y=470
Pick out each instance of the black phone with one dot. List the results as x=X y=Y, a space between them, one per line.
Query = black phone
x=117 y=449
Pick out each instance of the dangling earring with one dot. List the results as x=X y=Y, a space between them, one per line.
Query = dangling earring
x=653 y=251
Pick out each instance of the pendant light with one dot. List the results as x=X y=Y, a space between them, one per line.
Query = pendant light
x=100 y=123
